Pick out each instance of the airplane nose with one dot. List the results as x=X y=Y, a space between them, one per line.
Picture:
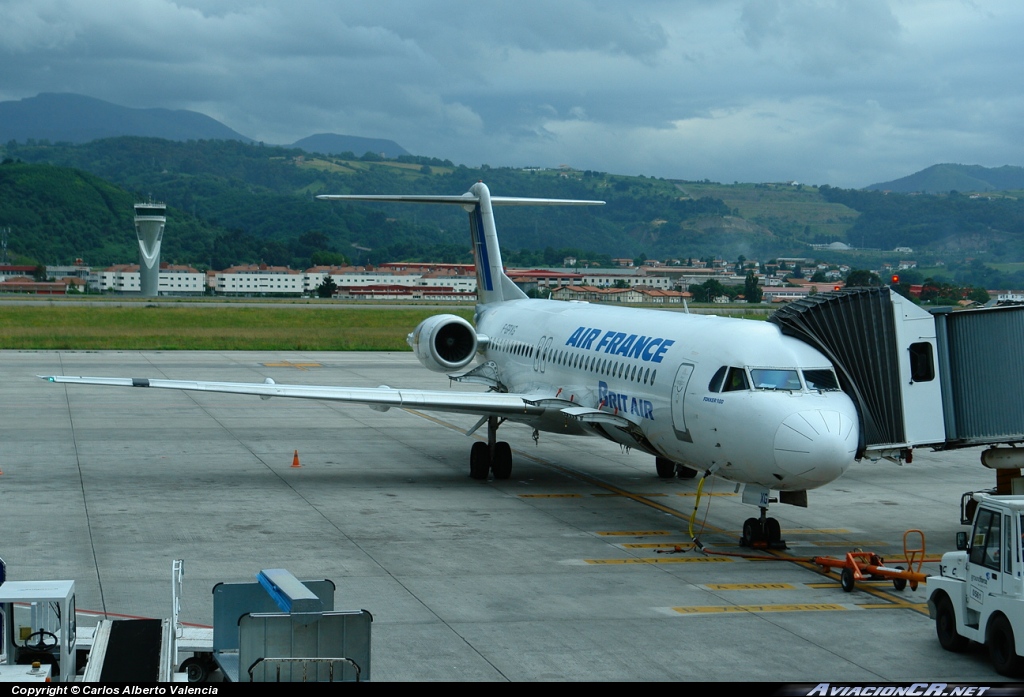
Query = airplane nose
x=816 y=445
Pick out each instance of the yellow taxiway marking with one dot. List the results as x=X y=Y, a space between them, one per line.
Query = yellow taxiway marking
x=289 y=364
x=659 y=560
x=844 y=543
x=576 y=474
x=691 y=494
x=635 y=533
x=658 y=545
x=647 y=495
x=550 y=496
x=920 y=607
x=750 y=586
x=715 y=609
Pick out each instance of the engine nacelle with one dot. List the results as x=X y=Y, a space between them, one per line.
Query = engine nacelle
x=443 y=343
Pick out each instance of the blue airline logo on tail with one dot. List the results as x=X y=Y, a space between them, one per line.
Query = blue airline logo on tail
x=646 y=348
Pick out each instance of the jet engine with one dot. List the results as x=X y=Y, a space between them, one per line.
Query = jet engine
x=443 y=343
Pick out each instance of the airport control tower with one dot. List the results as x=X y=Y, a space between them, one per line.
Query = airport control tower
x=150 y=219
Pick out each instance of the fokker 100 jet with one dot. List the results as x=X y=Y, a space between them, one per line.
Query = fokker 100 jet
x=727 y=397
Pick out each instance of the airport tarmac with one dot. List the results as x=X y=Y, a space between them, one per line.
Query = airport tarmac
x=555 y=574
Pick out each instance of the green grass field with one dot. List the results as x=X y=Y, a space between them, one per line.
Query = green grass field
x=172 y=325
x=158 y=327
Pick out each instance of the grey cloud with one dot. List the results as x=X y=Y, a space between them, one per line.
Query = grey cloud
x=823 y=36
x=831 y=91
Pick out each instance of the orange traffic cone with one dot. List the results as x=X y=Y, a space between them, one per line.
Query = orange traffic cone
x=295 y=460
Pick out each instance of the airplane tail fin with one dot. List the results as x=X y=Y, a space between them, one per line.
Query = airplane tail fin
x=492 y=284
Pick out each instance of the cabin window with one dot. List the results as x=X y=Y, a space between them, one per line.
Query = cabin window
x=765 y=379
x=654 y=375
x=821 y=379
x=716 y=382
x=736 y=380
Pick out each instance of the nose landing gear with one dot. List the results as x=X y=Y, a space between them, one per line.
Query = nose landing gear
x=763 y=532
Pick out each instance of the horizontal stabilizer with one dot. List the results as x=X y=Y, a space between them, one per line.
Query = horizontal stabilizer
x=466 y=199
x=492 y=285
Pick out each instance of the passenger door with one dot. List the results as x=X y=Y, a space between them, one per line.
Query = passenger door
x=678 y=402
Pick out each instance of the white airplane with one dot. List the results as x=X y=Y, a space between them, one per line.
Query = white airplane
x=730 y=397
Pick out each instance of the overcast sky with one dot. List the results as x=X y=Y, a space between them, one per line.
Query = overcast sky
x=840 y=92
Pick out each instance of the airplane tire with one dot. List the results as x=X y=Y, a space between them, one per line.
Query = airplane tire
x=752 y=530
x=684 y=472
x=666 y=468
x=502 y=465
x=945 y=625
x=1001 y=647
x=479 y=461
x=899 y=583
x=772 y=530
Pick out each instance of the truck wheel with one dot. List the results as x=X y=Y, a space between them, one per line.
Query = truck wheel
x=846 y=579
x=945 y=625
x=195 y=669
x=1002 y=649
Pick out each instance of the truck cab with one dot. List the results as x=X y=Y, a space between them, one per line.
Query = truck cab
x=979 y=592
x=38 y=631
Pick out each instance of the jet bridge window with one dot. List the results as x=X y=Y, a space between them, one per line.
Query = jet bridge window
x=922 y=367
x=772 y=379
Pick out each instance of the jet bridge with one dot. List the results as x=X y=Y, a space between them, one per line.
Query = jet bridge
x=943 y=380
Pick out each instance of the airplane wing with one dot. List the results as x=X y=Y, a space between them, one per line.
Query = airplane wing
x=379 y=398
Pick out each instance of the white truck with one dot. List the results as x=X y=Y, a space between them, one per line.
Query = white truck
x=979 y=592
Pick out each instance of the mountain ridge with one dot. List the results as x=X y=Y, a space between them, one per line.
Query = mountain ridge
x=65 y=117
x=946 y=177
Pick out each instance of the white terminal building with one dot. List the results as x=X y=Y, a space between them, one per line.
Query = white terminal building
x=127 y=278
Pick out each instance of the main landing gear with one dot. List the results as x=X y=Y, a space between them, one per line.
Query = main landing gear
x=668 y=469
x=762 y=532
x=493 y=456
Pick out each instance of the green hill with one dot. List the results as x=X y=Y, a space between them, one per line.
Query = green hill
x=56 y=214
x=944 y=178
x=249 y=202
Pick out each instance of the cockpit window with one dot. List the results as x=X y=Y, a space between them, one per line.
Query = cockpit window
x=716 y=382
x=736 y=380
x=775 y=379
x=822 y=379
